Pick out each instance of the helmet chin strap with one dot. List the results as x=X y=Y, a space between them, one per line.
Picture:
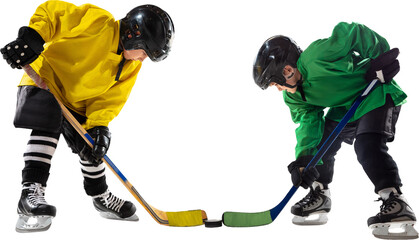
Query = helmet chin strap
x=298 y=83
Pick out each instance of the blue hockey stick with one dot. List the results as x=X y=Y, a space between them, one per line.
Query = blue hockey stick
x=243 y=219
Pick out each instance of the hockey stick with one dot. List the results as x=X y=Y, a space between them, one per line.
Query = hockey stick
x=179 y=219
x=243 y=219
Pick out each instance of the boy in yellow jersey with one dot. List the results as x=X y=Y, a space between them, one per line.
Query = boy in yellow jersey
x=90 y=62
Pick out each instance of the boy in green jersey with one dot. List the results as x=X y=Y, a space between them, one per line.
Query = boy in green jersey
x=331 y=73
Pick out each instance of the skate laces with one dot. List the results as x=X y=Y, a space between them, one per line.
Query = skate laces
x=388 y=204
x=111 y=201
x=312 y=197
x=37 y=193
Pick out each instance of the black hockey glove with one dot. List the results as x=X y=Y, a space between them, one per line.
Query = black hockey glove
x=384 y=67
x=301 y=177
x=102 y=138
x=25 y=49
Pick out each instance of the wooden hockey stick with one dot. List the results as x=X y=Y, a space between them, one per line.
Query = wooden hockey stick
x=179 y=219
x=244 y=219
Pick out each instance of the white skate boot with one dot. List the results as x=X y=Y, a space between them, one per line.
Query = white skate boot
x=313 y=208
x=395 y=214
x=35 y=214
x=112 y=207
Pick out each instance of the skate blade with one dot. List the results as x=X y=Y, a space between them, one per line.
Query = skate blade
x=27 y=224
x=313 y=219
x=402 y=230
x=113 y=216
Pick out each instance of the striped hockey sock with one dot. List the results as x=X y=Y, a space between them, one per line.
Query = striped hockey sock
x=94 y=178
x=38 y=155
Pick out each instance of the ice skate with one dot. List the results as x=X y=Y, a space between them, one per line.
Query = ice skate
x=395 y=219
x=313 y=208
x=35 y=214
x=112 y=207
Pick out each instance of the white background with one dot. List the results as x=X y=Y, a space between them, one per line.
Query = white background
x=197 y=133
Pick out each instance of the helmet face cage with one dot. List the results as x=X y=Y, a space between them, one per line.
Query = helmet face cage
x=268 y=76
x=149 y=28
x=273 y=56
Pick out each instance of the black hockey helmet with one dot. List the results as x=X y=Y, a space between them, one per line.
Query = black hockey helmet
x=275 y=53
x=149 y=28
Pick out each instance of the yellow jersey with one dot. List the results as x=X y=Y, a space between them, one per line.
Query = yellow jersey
x=80 y=61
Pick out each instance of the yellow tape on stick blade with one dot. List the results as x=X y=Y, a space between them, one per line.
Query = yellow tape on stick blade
x=185 y=218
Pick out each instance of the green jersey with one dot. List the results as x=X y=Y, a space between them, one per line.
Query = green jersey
x=333 y=71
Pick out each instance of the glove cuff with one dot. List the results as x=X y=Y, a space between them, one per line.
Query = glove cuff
x=32 y=38
x=300 y=162
x=101 y=135
x=99 y=130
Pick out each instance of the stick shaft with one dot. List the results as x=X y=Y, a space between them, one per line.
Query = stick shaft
x=326 y=145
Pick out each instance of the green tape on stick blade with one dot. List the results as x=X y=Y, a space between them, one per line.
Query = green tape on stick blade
x=236 y=219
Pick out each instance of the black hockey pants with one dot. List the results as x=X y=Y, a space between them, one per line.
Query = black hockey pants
x=371 y=133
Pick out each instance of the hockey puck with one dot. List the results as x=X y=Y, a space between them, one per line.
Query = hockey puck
x=213 y=223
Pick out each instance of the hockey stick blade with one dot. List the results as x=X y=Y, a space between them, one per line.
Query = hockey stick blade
x=178 y=219
x=243 y=219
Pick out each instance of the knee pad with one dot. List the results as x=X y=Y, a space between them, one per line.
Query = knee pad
x=74 y=141
x=370 y=145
